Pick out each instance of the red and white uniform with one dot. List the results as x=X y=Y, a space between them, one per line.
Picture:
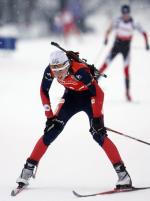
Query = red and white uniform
x=125 y=29
x=78 y=80
x=82 y=93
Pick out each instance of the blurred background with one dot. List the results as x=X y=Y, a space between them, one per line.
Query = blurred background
x=40 y=18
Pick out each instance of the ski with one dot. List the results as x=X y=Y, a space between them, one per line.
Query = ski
x=19 y=189
x=111 y=191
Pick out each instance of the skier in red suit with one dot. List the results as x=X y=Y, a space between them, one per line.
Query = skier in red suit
x=124 y=27
x=82 y=93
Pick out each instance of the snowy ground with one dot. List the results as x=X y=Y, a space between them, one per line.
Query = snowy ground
x=74 y=160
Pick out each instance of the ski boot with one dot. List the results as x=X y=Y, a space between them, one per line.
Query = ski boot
x=27 y=172
x=124 y=180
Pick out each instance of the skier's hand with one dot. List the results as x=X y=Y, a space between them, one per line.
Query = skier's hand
x=105 y=41
x=97 y=126
x=97 y=74
x=147 y=46
x=51 y=122
x=72 y=55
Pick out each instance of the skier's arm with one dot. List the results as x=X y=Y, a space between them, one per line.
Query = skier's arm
x=139 y=28
x=85 y=77
x=146 y=40
x=44 y=92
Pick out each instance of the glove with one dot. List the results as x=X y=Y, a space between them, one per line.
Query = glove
x=72 y=55
x=51 y=122
x=96 y=74
x=97 y=126
x=147 y=46
x=105 y=41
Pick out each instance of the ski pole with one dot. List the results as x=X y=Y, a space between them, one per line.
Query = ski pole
x=99 y=53
x=133 y=138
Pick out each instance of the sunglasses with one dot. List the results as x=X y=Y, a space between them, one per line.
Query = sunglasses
x=59 y=67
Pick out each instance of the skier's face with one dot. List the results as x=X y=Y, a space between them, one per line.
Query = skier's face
x=60 y=71
x=126 y=16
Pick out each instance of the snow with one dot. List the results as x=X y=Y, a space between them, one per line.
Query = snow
x=74 y=161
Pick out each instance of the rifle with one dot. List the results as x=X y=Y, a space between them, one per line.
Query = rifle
x=75 y=56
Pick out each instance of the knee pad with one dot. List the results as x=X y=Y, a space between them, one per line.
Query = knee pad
x=98 y=130
x=99 y=137
x=51 y=135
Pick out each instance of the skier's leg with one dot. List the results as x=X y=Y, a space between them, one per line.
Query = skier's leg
x=126 y=57
x=93 y=109
x=49 y=136
x=64 y=112
x=109 y=58
x=105 y=65
x=107 y=61
x=99 y=134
